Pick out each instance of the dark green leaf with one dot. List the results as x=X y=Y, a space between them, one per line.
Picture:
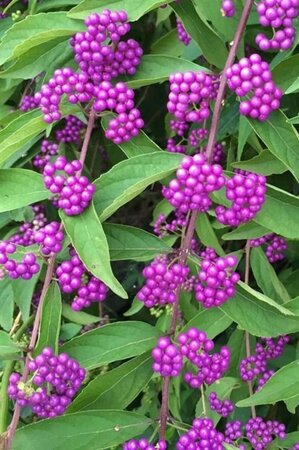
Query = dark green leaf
x=244 y=132
x=249 y=230
x=6 y=304
x=127 y=242
x=23 y=293
x=265 y=163
x=79 y=317
x=20 y=187
x=134 y=9
x=129 y=178
x=116 y=388
x=209 y=42
x=50 y=321
x=259 y=315
x=212 y=321
x=35 y=30
x=88 y=238
x=8 y=348
x=285 y=74
x=283 y=385
x=281 y=139
x=206 y=233
x=169 y=44
x=94 y=430
x=136 y=306
x=113 y=342
x=266 y=277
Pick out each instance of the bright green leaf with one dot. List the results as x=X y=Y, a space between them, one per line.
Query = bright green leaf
x=8 y=348
x=265 y=163
x=213 y=321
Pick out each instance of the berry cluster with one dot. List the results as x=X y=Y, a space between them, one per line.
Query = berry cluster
x=256 y=364
x=202 y=435
x=195 y=346
x=246 y=191
x=182 y=33
x=72 y=193
x=72 y=130
x=99 y=52
x=28 y=102
x=172 y=147
x=24 y=269
x=190 y=95
x=223 y=408
x=161 y=282
x=196 y=179
x=47 y=150
x=179 y=127
x=195 y=136
x=50 y=238
x=161 y=227
x=168 y=361
x=276 y=246
x=55 y=382
x=228 y=8
x=260 y=433
x=279 y=15
x=143 y=444
x=216 y=281
x=73 y=277
x=233 y=431
x=253 y=74
x=25 y=234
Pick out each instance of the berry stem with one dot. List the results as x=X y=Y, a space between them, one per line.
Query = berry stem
x=247 y=335
x=48 y=278
x=223 y=78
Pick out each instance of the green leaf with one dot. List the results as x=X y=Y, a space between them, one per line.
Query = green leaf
x=169 y=44
x=213 y=321
x=8 y=348
x=209 y=42
x=127 y=242
x=265 y=163
x=37 y=59
x=281 y=138
x=23 y=293
x=237 y=346
x=282 y=386
x=285 y=74
x=206 y=233
x=79 y=317
x=50 y=321
x=157 y=68
x=134 y=9
x=18 y=133
x=35 y=30
x=116 y=388
x=94 y=430
x=259 y=315
x=244 y=133
x=294 y=120
x=138 y=145
x=136 y=306
x=249 y=230
x=287 y=442
x=88 y=238
x=266 y=277
x=223 y=389
x=6 y=304
x=47 y=5
x=127 y=179
x=113 y=342
x=20 y=187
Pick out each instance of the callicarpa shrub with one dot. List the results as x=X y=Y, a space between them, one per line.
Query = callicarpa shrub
x=149 y=211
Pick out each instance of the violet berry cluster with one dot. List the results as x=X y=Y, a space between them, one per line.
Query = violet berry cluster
x=216 y=281
x=228 y=8
x=25 y=234
x=28 y=102
x=275 y=246
x=202 y=435
x=47 y=150
x=190 y=95
x=161 y=282
x=71 y=131
x=252 y=77
x=24 y=269
x=55 y=382
x=162 y=227
x=246 y=191
x=168 y=360
x=223 y=407
x=260 y=433
x=72 y=193
x=49 y=238
x=183 y=36
x=73 y=277
x=256 y=365
x=100 y=53
x=279 y=15
x=143 y=444
x=195 y=180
